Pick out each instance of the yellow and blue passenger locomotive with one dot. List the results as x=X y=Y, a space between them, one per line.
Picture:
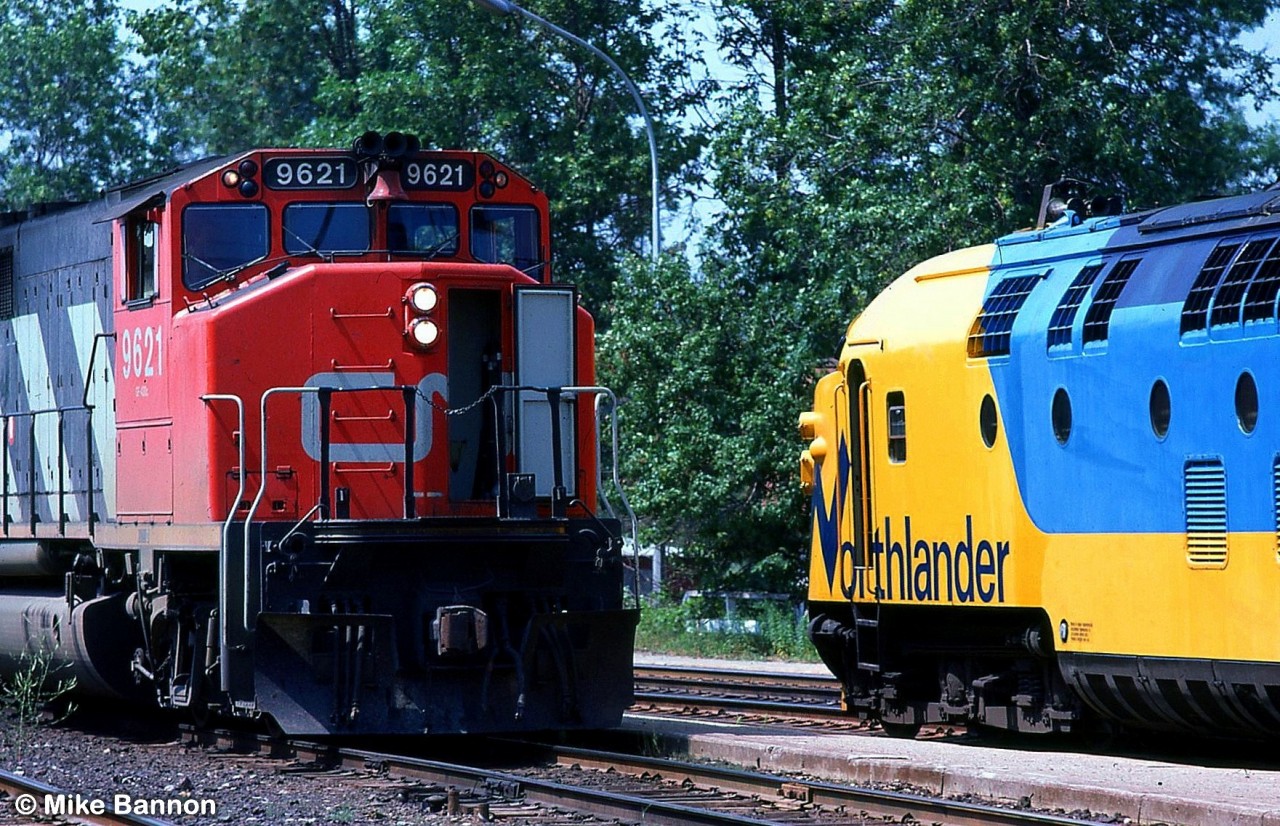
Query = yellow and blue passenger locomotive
x=311 y=435
x=1046 y=479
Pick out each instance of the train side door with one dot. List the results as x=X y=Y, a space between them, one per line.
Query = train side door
x=859 y=510
x=865 y=592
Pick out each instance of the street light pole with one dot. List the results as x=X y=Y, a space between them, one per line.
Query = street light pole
x=507 y=7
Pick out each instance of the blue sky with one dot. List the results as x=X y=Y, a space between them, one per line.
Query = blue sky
x=1267 y=37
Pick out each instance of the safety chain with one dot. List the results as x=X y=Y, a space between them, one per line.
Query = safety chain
x=458 y=411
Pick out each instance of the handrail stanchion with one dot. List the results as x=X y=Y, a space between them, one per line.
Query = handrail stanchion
x=62 y=477
x=31 y=473
x=617 y=480
x=325 y=396
x=500 y=440
x=224 y=558
x=88 y=444
x=4 y=471
x=558 y=494
x=410 y=436
x=262 y=490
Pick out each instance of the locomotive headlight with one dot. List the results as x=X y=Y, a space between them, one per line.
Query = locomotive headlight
x=424 y=332
x=422 y=297
x=809 y=421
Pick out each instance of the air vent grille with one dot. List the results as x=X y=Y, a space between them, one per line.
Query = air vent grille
x=1097 y=322
x=991 y=332
x=1064 y=317
x=6 y=283
x=1205 y=495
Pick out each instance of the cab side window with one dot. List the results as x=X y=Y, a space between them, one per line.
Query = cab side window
x=896 y=411
x=141 y=258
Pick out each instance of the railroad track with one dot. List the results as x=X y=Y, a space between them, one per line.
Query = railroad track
x=30 y=801
x=628 y=789
x=808 y=699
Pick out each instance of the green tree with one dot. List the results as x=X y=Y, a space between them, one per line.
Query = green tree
x=318 y=72
x=886 y=132
x=228 y=76
x=68 y=102
x=864 y=137
x=459 y=77
x=709 y=371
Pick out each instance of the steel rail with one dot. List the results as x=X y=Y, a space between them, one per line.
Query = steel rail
x=862 y=804
x=803 y=696
x=745 y=705
x=16 y=785
x=877 y=803
x=819 y=687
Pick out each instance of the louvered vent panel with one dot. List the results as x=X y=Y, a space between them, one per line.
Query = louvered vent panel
x=1195 y=310
x=1065 y=315
x=992 y=329
x=1097 y=321
x=1275 y=488
x=1205 y=494
x=6 y=283
x=1228 y=299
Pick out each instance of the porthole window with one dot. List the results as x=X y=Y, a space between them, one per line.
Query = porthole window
x=1061 y=416
x=1161 y=410
x=1246 y=402
x=987 y=421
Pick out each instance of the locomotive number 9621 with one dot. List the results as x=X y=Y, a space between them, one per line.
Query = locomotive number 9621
x=310 y=173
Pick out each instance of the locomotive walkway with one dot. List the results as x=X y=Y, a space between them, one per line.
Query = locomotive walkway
x=1139 y=790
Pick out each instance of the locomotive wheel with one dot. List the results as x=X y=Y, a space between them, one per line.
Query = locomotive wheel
x=900 y=731
x=202 y=714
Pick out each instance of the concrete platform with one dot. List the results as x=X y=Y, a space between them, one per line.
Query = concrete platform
x=1139 y=791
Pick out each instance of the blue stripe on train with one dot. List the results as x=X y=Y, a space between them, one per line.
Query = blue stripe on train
x=1114 y=475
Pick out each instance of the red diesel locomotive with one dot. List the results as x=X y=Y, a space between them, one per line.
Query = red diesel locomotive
x=311 y=435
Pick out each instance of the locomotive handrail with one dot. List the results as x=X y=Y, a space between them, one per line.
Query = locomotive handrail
x=864 y=414
x=224 y=558
x=262 y=487
x=93 y=355
x=84 y=400
x=601 y=394
x=553 y=394
x=323 y=394
x=31 y=447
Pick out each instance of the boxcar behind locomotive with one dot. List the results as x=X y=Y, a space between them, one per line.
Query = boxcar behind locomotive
x=310 y=434
x=1046 y=479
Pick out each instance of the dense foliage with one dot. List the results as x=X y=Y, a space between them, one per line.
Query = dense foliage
x=850 y=139
x=69 y=116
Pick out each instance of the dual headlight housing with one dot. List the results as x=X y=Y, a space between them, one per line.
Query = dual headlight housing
x=420 y=300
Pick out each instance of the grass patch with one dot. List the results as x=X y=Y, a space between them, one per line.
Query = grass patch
x=674 y=628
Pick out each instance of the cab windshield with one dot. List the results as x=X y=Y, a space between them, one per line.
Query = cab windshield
x=427 y=229
x=325 y=228
x=220 y=238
